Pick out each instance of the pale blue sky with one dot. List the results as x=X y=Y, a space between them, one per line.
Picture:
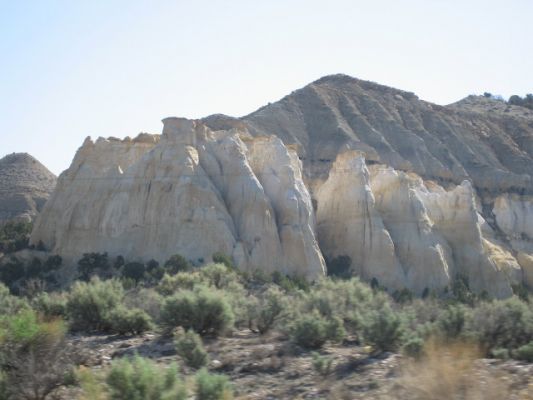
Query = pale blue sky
x=69 y=69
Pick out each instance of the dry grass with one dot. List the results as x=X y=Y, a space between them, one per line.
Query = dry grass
x=449 y=371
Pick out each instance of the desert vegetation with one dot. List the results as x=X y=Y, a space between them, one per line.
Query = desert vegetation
x=194 y=307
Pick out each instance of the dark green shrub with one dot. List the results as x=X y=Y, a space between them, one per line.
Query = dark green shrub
x=383 y=329
x=524 y=353
x=340 y=267
x=461 y=290
x=189 y=346
x=140 y=378
x=89 y=305
x=132 y=322
x=134 y=270
x=92 y=263
x=52 y=263
x=403 y=296
x=12 y=271
x=119 y=262
x=289 y=283
x=313 y=330
x=212 y=386
x=221 y=258
x=177 y=263
x=204 y=311
x=14 y=236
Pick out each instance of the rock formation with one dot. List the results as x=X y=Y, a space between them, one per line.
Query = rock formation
x=191 y=191
x=414 y=193
x=25 y=185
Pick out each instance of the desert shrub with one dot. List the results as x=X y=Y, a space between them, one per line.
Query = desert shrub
x=221 y=258
x=90 y=304
x=501 y=324
x=34 y=356
x=271 y=307
x=180 y=281
x=289 y=283
x=212 y=386
x=524 y=352
x=140 y=378
x=146 y=299
x=177 y=263
x=451 y=322
x=204 y=311
x=134 y=271
x=313 y=330
x=461 y=290
x=130 y=321
x=92 y=263
x=413 y=346
x=51 y=305
x=322 y=364
x=218 y=275
x=403 y=296
x=189 y=346
x=119 y=262
x=12 y=271
x=10 y=304
x=340 y=267
x=383 y=329
x=52 y=263
x=14 y=236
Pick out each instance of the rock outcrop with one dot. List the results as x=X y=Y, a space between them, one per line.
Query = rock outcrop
x=25 y=185
x=414 y=193
x=189 y=191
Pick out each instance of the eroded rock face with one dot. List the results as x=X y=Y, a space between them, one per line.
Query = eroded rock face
x=191 y=191
x=404 y=232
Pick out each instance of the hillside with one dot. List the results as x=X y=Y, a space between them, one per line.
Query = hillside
x=25 y=185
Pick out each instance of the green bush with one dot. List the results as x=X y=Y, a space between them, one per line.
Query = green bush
x=340 y=267
x=322 y=364
x=272 y=306
x=142 y=379
x=218 y=275
x=170 y=284
x=501 y=324
x=312 y=331
x=221 y=258
x=51 y=305
x=524 y=352
x=14 y=236
x=177 y=263
x=134 y=270
x=10 y=304
x=189 y=346
x=204 y=311
x=132 y=321
x=451 y=322
x=89 y=305
x=413 y=346
x=212 y=386
x=383 y=329
x=92 y=263
x=12 y=271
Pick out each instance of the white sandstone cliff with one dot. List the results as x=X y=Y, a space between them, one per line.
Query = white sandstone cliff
x=191 y=192
x=403 y=231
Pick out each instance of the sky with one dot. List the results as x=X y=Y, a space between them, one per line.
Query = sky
x=72 y=68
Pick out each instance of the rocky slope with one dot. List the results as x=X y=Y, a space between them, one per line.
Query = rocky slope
x=25 y=185
x=414 y=193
